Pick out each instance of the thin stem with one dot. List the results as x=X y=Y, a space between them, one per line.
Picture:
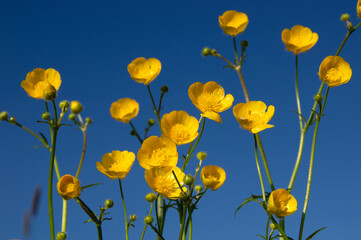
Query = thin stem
x=64 y=216
x=243 y=83
x=267 y=227
x=183 y=222
x=145 y=225
x=99 y=230
x=298 y=160
x=159 y=213
x=155 y=108
x=282 y=225
x=265 y=161
x=235 y=50
x=50 y=183
x=190 y=223
x=125 y=210
x=136 y=133
x=259 y=169
x=82 y=153
x=298 y=97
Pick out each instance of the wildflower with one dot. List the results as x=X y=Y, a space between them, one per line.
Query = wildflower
x=233 y=22
x=209 y=98
x=299 y=39
x=335 y=71
x=68 y=187
x=281 y=203
x=253 y=115
x=144 y=71
x=124 y=109
x=213 y=177
x=39 y=80
x=180 y=127
x=116 y=164
x=76 y=107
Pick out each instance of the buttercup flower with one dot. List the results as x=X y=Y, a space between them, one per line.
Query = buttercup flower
x=358 y=8
x=209 y=99
x=68 y=187
x=281 y=203
x=213 y=177
x=299 y=39
x=180 y=127
x=40 y=82
x=233 y=22
x=253 y=115
x=144 y=71
x=161 y=180
x=158 y=152
x=124 y=109
x=335 y=71
x=116 y=164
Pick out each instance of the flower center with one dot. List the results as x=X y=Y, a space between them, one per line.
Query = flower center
x=333 y=75
x=179 y=132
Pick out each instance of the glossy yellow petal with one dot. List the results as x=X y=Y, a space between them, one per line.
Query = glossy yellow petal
x=213 y=177
x=212 y=115
x=116 y=164
x=335 y=71
x=281 y=203
x=299 y=39
x=233 y=22
x=68 y=187
x=358 y=9
x=144 y=71
x=124 y=109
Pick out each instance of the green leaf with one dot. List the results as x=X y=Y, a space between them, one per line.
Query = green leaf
x=247 y=200
x=261 y=236
x=299 y=115
x=313 y=234
x=90 y=185
x=44 y=138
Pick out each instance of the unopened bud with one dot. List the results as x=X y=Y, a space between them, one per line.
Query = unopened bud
x=76 y=107
x=198 y=188
x=273 y=226
x=61 y=236
x=133 y=217
x=45 y=116
x=71 y=116
x=201 y=155
x=148 y=220
x=4 y=116
x=151 y=122
x=12 y=119
x=188 y=180
x=244 y=43
x=49 y=91
x=108 y=203
x=64 y=105
x=150 y=197
x=206 y=51
x=88 y=120
x=164 y=89
x=318 y=97
x=345 y=17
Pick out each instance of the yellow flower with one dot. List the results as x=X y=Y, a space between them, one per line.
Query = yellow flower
x=253 y=116
x=281 y=203
x=299 y=39
x=335 y=71
x=76 y=107
x=124 y=109
x=213 y=177
x=158 y=152
x=40 y=82
x=68 y=187
x=116 y=164
x=161 y=180
x=233 y=22
x=180 y=127
x=358 y=8
x=209 y=99
x=144 y=71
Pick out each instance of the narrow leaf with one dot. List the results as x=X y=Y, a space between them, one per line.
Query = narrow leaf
x=313 y=234
x=44 y=138
x=90 y=185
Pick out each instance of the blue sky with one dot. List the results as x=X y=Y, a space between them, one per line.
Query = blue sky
x=91 y=43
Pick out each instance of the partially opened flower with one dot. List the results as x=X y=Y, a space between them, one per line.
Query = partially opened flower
x=253 y=115
x=335 y=71
x=210 y=99
x=144 y=71
x=158 y=152
x=213 y=177
x=180 y=127
x=116 y=164
x=281 y=203
x=68 y=187
x=42 y=82
x=162 y=180
x=233 y=22
x=299 y=39
x=124 y=109
x=358 y=8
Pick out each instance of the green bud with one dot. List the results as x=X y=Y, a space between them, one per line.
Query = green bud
x=164 y=89
x=244 y=43
x=201 y=155
x=150 y=197
x=4 y=116
x=345 y=17
x=71 y=116
x=133 y=217
x=148 y=220
x=88 y=120
x=133 y=132
x=64 y=105
x=49 y=91
x=45 y=116
x=206 y=51
x=151 y=122
x=76 y=107
x=198 y=188
x=273 y=226
x=318 y=97
x=61 y=236
x=213 y=51
x=188 y=180
x=12 y=119
x=108 y=203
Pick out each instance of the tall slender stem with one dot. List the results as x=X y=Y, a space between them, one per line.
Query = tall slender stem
x=235 y=50
x=259 y=169
x=125 y=210
x=298 y=160
x=50 y=183
x=82 y=153
x=64 y=215
x=182 y=224
x=265 y=161
x=299 y=111
x=136 y=133
x=154 y=107
x=243 y=83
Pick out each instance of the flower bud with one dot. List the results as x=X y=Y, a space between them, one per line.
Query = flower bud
x=49 y=91
x=213 y=51
x=71 y=116
x=133 y=217
x=273 y=226
x=61 y=236
x=76 y=107
x=198 y=188
x=244 y=43
x=164 y=89
x=88 y=120
x=201 y=155
x=12 y=119
x=148 y=220
x=318 y=97
x=133 y=132
x=150 y=197
x=151 y=122
x=108 y=203
x=45 y=116
x=4 y=116
x=206 y=51
x=64 y=105
x=345 y=17
x=188 y=180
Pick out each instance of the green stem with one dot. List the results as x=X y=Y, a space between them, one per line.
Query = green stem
x=264 y=161
x=64 y=216
x=298 y=160
x=183 y=222
x=243 y=83
x=99 y=230
x=82 y=153
x=155 y=108
x=50 y=183
x=125 y=210
x=267 y=227
x=145 y=225
x=235 y=50
x=282 y=225
x=190 y=225
x=259 y=169
x=136 y=133
x=298 y=97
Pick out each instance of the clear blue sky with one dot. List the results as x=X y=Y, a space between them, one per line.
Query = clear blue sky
x=91 y=43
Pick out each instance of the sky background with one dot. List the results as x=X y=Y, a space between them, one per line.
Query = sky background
x=91 y=43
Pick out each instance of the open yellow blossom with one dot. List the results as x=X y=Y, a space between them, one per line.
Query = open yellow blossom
x=299 y=39
x=335 y=71
x=281 y=203
x=180 y=127
x=68 y=187
x=233 y=22
x=162 y=180
x=213 y=177
x=158 y=152
x=209 y=99
x=253 y=115
x=124 y=109
x=40 y=82
x=144 y=71
x=358 y=8
x=116 y=164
